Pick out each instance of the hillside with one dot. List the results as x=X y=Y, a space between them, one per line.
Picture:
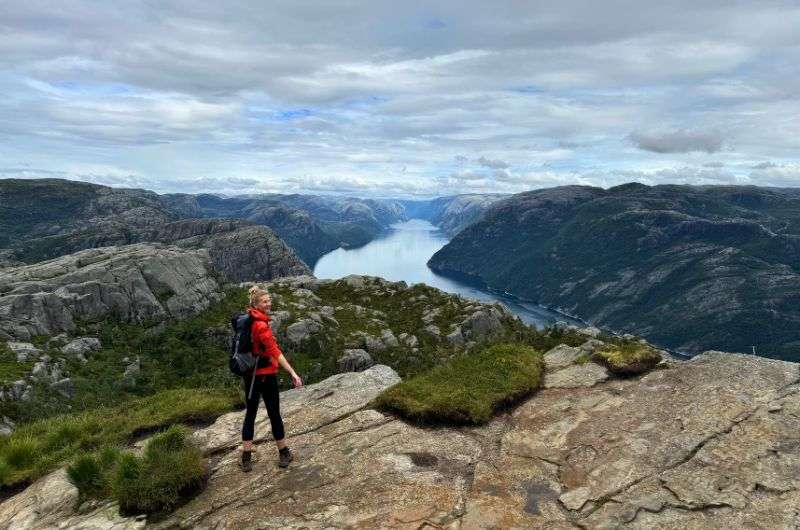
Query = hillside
x=46 y=218
x=451 y=214
x=690 y=268
x=716 y=451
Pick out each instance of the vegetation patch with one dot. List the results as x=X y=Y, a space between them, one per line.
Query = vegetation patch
x=38 y=447
x=468 y=389
x=169 y=472
x=10 y=369
x=627 y=358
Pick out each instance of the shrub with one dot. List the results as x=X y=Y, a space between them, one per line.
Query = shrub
x=467 y=390
x=627 y=358
x=170 y=469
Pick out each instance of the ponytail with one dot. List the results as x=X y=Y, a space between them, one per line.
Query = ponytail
x=256 y=293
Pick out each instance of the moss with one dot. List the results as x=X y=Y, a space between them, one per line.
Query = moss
x=628 y=358
x=469 y=389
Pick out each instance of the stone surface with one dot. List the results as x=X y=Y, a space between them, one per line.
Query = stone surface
x=50 y=503
x=302 y=330
x=711 y=443
x=237 y=249
x=304 y=409
x=577 y=375
x=561 y=356
x=354 y=360
x=135 y=283
x=482 y=325
x=24 y=350
x=81 y=346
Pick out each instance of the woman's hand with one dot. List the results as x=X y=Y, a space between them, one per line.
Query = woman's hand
x=297 y=381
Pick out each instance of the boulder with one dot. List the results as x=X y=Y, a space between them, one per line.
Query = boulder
x=429 y=316
x=432 y=331
x=50 y=503
x=302 y=330
x=81 y=346
x=561 y=356
x=19 y=390
x=354 y=361
x=6 y=426
x=374 y=344
x=388 y=338
x=591 y=346
x=354 y=281
x=24 y=350
x=590 y=331
x=577 y=375
x=409 y=340
x=64 y=387
x=455 y=338
x=278 y=319
x=482 y=325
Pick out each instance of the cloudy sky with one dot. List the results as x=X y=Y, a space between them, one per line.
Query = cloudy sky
x=400 y=99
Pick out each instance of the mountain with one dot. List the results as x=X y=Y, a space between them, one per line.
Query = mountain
x=47 y=218
x=690 y=268
x=311 y=224
x=451 y=214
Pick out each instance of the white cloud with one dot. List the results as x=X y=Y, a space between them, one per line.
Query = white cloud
x=677 y=141
x=413 y=98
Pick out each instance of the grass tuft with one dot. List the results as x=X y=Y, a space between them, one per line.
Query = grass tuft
x=628 y=358
x=170 y=470
x=467 y=390
x=91 y=472
x=39 y=447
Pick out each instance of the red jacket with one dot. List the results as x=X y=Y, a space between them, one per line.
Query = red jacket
x=264 y=343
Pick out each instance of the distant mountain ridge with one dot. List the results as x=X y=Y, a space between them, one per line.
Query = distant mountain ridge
x=688 y=267
x=453 y=213
x=46 y=218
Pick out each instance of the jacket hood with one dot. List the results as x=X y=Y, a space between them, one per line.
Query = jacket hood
x=258 y=315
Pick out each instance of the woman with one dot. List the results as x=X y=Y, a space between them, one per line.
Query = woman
x=265 y=383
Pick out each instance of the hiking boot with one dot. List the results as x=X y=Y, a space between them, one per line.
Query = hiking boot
x=284 y=457
x=246 y=461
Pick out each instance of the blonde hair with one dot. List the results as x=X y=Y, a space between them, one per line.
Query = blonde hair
x=256 y=293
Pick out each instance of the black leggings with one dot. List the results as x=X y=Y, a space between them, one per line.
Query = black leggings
x=265 y=386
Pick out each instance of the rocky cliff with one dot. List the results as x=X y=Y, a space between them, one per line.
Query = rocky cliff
x=691 y=268
x=135 y=283
x=237 y=249
x=709 y=443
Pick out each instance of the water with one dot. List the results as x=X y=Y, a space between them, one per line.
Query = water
x=403 y=254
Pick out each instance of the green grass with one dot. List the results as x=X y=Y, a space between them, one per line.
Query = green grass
x=38 y=447
x=469 y=389
x=627 y=358
x=10 y=369
x=170 y=470
x=91 y=472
